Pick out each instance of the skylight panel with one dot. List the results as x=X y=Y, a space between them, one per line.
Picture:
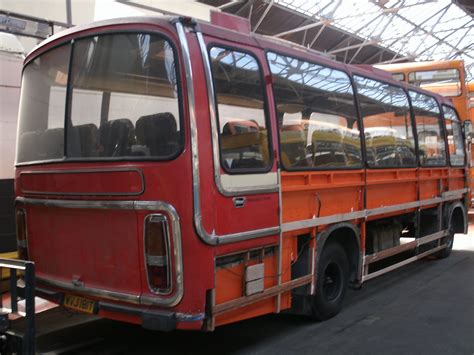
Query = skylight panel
x=417 y=29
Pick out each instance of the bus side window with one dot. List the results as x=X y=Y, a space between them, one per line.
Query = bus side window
x=242 y=121
x=388 y=131
x=317 y=115
x=429 y=129
x=454 y=136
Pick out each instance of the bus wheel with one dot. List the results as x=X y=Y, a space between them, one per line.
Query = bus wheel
x=331 y=282
x=449 y=241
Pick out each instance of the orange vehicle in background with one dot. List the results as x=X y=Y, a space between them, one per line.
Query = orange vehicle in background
x=447 y=78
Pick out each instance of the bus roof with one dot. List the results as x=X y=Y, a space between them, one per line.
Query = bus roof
x=227 y=33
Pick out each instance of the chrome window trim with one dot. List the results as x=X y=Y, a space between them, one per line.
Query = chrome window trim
x=208 y=238
x=226 y=191
x=123 y=205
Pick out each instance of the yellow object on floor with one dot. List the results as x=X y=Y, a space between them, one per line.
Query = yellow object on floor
x=11 y=255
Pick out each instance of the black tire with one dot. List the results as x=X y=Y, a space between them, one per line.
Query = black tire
x=449 y=240
x=331 y=282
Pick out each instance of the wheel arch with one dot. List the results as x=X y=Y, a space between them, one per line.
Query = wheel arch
x=348 y=236
x=456 y=216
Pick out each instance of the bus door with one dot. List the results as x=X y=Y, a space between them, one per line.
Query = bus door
x=244 y=166
x=238 y=207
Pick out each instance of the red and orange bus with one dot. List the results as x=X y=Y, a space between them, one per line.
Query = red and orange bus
x=182 y=175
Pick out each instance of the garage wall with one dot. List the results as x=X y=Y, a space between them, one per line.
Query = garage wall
x=10 y=78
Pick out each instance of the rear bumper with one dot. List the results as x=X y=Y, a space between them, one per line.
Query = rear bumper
x=149 y=318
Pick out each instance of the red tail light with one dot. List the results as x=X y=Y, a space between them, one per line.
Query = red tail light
x=21 y=234
x=157 y=257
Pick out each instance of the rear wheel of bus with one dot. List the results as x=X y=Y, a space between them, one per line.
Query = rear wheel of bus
x=331 y=282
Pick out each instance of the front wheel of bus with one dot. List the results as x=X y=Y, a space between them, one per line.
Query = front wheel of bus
x=331 y=282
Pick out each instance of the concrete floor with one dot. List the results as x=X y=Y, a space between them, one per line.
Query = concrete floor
x=424 y=308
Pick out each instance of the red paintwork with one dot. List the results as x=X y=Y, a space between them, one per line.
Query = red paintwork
x=99 y=183
x=105 y=247
x=230 y=22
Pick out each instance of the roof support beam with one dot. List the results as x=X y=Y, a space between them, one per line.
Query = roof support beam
x=302 y=28
x=265 y=13
x=415 y=28
x=230 y=4
x=363 y=44
x=434 y=36
x=317 y=36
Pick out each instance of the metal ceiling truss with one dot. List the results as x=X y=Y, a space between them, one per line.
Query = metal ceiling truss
x=372 y=32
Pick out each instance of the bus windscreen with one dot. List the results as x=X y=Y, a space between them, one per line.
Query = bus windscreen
x=446 y=82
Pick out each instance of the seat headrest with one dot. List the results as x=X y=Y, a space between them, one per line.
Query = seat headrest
x=159 y=126
x=117 y=136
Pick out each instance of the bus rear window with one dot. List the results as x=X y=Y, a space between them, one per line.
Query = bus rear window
x=123 y=102
x=42 y=107
x=445 y=82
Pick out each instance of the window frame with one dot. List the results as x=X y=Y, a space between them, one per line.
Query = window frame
x=462 y=134
x=160 y=32
x=356 y=107
x=443 y=128
x=243 y=171
x=412 y=121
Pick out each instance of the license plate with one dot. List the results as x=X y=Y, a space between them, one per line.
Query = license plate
x=80 y=304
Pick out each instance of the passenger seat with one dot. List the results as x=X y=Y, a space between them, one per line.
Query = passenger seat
x=159 y=133
x=117 y=137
